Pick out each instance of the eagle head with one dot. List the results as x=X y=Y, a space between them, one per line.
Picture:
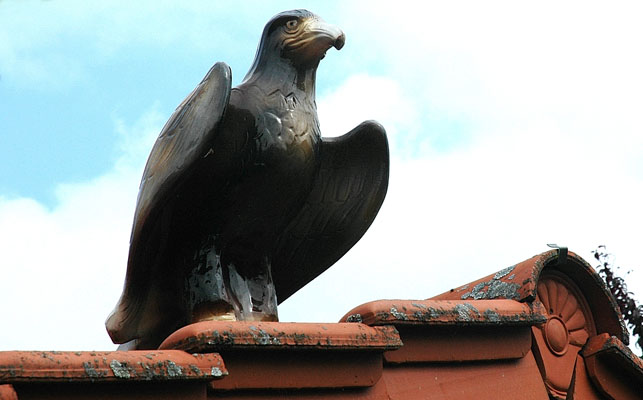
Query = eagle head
x=298 y=38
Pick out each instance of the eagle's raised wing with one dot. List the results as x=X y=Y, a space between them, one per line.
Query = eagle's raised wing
x=345 y=198
x=184 y=139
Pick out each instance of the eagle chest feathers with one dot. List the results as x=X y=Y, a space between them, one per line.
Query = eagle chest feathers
x=286 y=129
x=280 y=151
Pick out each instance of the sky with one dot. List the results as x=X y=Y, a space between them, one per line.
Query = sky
x=511 y=125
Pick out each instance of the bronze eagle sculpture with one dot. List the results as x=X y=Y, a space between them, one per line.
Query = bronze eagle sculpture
x=242 y=202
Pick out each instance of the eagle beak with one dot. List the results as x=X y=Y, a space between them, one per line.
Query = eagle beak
x=330 y=34
x=339 y=42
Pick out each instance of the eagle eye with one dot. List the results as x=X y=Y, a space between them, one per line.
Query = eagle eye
x=291 y=25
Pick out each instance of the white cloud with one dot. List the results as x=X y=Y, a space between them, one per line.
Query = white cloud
x=507 y=65
x=63 y=268
x=361 y=97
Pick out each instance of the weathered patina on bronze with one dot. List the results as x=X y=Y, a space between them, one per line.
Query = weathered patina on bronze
x=242 y=202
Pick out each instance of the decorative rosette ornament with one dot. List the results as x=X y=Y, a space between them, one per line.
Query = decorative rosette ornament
x=569 y=325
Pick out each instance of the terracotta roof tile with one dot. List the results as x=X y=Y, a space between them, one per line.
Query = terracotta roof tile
x=447 y=312
x=89 y=366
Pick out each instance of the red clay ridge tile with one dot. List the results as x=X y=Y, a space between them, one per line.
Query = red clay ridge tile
x=90 y=366
x=214 y=335
x=447 y=312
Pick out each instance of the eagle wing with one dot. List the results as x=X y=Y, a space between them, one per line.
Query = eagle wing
x=345 y=198
x=184 y=139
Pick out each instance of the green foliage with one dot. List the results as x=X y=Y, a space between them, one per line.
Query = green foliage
x=632 y=312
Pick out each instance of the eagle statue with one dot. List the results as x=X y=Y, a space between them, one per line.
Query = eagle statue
x=242 y=202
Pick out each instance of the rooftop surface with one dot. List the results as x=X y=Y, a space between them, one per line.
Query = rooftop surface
x=544 y=328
